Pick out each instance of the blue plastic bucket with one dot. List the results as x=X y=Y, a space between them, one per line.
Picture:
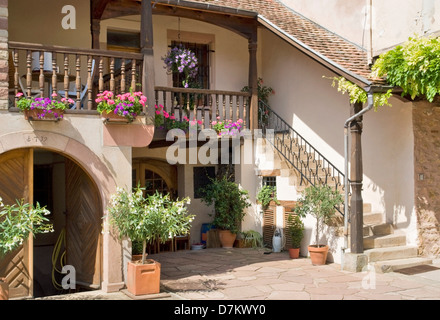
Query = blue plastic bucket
x=204 y=232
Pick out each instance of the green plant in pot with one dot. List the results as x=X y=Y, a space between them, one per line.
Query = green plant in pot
x=296 y=231
x=266 y=195
x=149 y=220
x=230 y=202
x=17 y=223
x=320 y=202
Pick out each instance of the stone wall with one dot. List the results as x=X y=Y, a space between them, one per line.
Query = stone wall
x=426 y=123
x=4 y=54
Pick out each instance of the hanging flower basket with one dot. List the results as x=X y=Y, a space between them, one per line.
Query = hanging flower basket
x=181 y=60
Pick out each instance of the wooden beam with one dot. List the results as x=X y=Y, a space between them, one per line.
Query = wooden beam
x=148 y=60
x=97 y=8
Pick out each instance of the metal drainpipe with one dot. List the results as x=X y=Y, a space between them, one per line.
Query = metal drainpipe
x=370 y=101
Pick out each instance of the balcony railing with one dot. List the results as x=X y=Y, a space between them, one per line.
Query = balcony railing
x=38 y=70
x=204 y=105
x=80 y=74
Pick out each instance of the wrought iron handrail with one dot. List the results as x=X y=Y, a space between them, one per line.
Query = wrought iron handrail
x=313 y=167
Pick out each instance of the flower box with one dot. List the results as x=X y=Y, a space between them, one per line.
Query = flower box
x=43 y=115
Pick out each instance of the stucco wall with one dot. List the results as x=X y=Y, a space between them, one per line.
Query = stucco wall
x=318 y=111
x=393 y=21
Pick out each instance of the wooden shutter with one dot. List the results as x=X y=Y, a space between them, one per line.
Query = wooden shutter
x=16 y=183
x=83 y=226
x=269 y=224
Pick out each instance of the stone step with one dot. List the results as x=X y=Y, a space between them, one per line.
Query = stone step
x=378 y=229
x=391 y=253
x=397 y=264
x=373 y=218
x=384 y=241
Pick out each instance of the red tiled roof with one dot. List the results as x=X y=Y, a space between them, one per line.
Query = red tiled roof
x=345 y=56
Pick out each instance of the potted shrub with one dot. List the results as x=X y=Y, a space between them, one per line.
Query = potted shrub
x=151 y=219
x=295 y=230
x=251 y=239
x=320 y=202
x=229 y=204
x=17 y=222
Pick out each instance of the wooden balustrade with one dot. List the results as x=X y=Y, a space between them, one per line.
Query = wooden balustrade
x=76 y=73
x=204 y=105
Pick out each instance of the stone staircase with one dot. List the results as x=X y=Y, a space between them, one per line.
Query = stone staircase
x=385 y=247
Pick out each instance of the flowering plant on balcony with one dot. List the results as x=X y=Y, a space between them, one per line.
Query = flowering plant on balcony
x=128 y=105
x=182 y=60
x=168 y=121
x=46 y=107
x=227 y=127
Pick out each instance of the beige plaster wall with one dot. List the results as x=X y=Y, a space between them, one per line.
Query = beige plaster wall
x=229 y=61
x=392 y=21
x=40 y=22
x=318 y=112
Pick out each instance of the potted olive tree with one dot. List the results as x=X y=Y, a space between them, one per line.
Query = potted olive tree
x=151 y=219
x=295 y=229
x=320 y=202
x=229 y=202
x=17 y=222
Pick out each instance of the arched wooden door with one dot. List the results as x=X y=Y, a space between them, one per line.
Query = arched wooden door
x=83 y=226
x=16 y=171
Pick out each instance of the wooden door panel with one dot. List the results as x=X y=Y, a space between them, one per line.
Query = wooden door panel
x=16 y=183
x=83 y=226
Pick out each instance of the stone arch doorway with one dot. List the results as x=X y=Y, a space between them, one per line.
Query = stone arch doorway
x=56 y=181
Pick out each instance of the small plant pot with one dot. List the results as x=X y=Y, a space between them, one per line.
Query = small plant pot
x=4 y=289
x=143 y=279
x=227 y=238
x=318 y=255
x=294 y=253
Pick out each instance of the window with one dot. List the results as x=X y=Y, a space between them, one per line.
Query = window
x=154 y=182
x=270 y=181
x=123 y=41
x=201 y=52
x=202 y=178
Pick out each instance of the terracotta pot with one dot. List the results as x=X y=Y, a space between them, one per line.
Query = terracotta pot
x=34 y=115
x=143 y=278
x=318 y=255
x=4 y=289
x=294 y=253
x=227 y=238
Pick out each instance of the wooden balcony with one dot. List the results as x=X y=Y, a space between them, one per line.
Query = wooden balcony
x=80 y=74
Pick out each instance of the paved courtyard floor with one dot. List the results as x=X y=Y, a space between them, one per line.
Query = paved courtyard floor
x=253 y=274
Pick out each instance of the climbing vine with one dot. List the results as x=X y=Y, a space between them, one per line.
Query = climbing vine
x=357 y=94
x=413 y=66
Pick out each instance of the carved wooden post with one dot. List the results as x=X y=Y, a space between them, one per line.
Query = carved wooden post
x=95 y=30
x=147 y=51
x=356 y=173
x=253 y=82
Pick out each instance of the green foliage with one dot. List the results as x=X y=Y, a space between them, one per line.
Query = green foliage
x=320 y=202
x=253 y=238
x=229 y=203
x=266 y=195
x=295 y=229
x=359 y=95
x=148 y=219
x=413 y=66
x=18 y=221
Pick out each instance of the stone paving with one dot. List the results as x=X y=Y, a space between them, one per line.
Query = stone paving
x=252 y=274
